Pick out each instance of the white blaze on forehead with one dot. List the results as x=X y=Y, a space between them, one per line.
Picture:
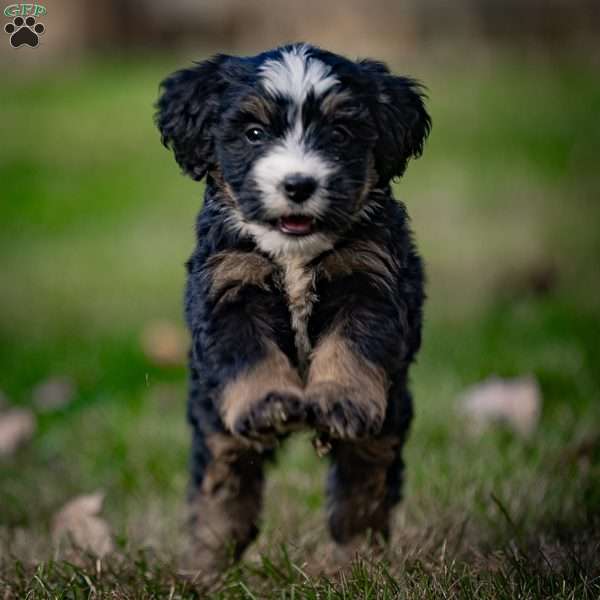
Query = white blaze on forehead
x=295 y=74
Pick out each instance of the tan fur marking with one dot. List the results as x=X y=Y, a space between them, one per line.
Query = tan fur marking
x=334 y=362
x=332 y=102
x=273 y=373
x=298 y=281
x=227 y=506
x=361 y=256
x=359 y=500
x=225 y=450
x=261 y=108
x=233 y=268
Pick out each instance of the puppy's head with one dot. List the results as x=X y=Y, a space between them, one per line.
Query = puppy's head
x=296 y=138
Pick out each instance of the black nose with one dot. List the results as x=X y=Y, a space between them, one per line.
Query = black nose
x=298 y=187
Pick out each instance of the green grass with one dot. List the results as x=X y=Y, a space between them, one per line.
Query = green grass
x=95 y=225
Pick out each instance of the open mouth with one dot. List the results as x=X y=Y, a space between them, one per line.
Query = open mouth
x=296 y=224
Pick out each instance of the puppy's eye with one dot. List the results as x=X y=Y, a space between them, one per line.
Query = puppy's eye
x=340 y=136
x=255 y=134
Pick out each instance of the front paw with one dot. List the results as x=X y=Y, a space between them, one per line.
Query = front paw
x=276 y=413
x=341 y=412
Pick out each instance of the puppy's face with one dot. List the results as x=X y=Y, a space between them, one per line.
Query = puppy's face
x=297 y=138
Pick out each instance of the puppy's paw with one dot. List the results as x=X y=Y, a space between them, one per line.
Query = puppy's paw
x=340 y=412
x=276 y=413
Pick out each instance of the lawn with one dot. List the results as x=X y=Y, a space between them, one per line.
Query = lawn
x=95 y=225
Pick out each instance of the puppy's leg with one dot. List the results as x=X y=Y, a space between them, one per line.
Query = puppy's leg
x=346 y=393
x=246 y=345
x=363 y=486
x=244 y=388
x=365 y=329
x=264 y=399
x=225 y=501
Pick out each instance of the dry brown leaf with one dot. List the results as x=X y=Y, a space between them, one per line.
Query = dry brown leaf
x=78 y=521
x=53 y=393
x=16 y=428
x=164 y=343
x=514 y=402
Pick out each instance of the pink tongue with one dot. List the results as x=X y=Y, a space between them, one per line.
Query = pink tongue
x=297 y=225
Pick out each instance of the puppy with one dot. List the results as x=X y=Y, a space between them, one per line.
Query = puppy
x=304 y=293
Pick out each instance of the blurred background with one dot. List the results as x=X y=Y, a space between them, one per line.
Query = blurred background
x=96 y=223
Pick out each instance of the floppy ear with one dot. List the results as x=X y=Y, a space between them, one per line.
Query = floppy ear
x=188 y=111
x=402 y=121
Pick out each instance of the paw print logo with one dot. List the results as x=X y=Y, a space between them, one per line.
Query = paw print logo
x=24 y=31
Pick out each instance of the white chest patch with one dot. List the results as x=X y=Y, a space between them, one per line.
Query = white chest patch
x=298 y=281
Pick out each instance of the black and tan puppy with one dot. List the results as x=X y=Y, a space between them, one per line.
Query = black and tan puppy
x=305 y=291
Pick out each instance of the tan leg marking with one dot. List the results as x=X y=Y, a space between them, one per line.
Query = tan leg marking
x=357 y=492
x=226 y=509
x=348 y=392
x=266 y=396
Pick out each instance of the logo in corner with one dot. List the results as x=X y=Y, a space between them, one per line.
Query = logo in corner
x=24 y=29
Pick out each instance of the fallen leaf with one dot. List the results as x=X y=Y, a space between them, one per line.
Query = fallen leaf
x=164 y=343
x=78 y=520
x=53 y=393
x=16 y=428
x=514 y=402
